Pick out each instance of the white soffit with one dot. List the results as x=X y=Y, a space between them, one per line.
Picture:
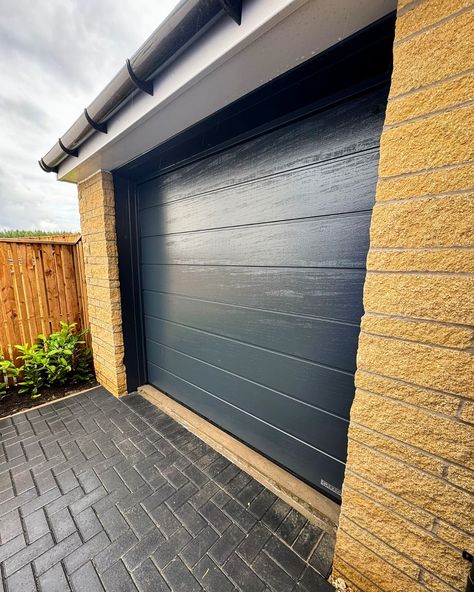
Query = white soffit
x=225 y=64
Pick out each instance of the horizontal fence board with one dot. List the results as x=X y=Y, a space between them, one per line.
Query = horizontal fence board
x=41 y=284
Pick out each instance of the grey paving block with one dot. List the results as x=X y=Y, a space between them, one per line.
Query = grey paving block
x=35 y=525
x=22 y=581
x=56 y=553
x=143 y=549
x=307 y=539
x=226 y=544
x=272 y=574
x=179 y=578
x=85 y=579
x=87 y=524
x=148 y=579
x=291 y=526
x=115 y=551
x=117 y=579
x=62 y=524
x=139 y=520
x=10 y=526
x=321 y=558
x=241 y=574
x=211 y=577
x=285 y=557
x=121 y=497
x=254 y=542
x=85 y=552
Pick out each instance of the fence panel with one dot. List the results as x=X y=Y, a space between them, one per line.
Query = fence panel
x=41 y=283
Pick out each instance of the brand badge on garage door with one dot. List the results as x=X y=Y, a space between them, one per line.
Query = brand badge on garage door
x=331 y=487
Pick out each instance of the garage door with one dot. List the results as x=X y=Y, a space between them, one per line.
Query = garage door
x=252 y=264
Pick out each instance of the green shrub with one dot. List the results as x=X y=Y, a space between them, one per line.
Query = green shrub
x=7 y=370
x=56 y=360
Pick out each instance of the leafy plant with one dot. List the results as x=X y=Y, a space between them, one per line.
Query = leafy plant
x=54 y=360
x=7 y=370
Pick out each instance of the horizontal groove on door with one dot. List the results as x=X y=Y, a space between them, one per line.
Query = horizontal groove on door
x=324 y=293
x=307 y=423
x=325 y=342
x=290 y=451
x=290 y=197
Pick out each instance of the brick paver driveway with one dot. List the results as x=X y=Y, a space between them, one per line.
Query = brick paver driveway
x=99 y=493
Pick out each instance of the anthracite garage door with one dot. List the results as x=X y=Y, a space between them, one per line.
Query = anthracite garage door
x=252 y=264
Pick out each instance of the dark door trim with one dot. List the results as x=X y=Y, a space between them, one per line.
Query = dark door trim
x=352 y=67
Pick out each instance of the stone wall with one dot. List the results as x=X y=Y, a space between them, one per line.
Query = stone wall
x=408 y=509
x=97 y=211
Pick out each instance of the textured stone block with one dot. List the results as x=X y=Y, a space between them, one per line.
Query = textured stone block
x=427 y=14
x=433 y=367
x=439 y=140
x=437 y=297
x=434 y=55
x=419 y=103
x=428 y=222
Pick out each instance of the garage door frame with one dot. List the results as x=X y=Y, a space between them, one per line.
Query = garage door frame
x=352 y=67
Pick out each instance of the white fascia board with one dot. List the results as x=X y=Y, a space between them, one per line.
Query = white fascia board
x=225 y=64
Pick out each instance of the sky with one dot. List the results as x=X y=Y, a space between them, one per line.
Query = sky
x=57 y=55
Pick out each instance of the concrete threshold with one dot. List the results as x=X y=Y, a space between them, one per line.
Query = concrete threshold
x=312 y=504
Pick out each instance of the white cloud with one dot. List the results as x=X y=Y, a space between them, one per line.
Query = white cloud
x=56 y=57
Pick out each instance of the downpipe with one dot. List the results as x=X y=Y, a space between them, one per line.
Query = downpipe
x=470 y=576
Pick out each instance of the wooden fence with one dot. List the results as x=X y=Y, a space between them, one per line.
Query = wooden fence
x=41 y=283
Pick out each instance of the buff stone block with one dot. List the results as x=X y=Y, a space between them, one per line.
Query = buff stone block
x=426 y=549
x=435 y=54
x=97 y=211
x=428 y=492
x=434 y=367
x=454 y=441
x=428 y=13
x=431 y=222
x=415 y=395
x=423 y=260
x=438 y=297
x=450 y=179
x=372 y=567
x=438 y=140
x=444 y=95
x=397 y=450
x=444 y=334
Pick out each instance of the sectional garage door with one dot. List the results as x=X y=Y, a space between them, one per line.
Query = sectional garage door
x=252 y=268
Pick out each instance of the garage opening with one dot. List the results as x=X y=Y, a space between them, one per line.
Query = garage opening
x=250 y=260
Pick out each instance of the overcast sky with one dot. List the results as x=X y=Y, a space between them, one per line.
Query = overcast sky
x=57 y=55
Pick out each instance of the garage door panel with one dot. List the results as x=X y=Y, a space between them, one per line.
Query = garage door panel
x=327 y=342
x=301 y=458
x=253 y=264
x=348 y=128
x=327 y=293
x=322 y=189
x=305 y=422
x=332 y=241
x=329 y=389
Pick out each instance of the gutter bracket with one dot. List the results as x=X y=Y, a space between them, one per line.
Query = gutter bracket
x=233 y=9
x=68 y=151
x=144 y=85
x=46 y=168
x=99 y=127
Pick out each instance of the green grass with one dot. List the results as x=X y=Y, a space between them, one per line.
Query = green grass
x=32 y=233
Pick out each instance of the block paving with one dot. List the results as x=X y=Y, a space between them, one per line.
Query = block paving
x=99 y=493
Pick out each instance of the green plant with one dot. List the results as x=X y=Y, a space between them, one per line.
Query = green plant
x=7 y=370
x=54 y=360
